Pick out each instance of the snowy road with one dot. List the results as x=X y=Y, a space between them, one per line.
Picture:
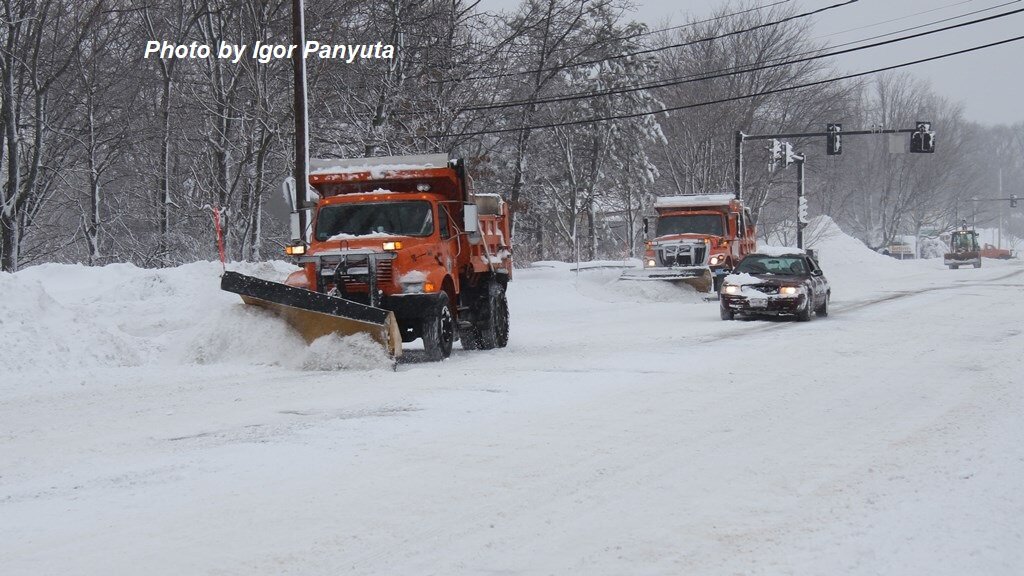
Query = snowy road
x=615 y=435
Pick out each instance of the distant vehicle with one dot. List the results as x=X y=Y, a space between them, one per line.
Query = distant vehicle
x=785 y=282
x=698 y=239
x=990 y=251
x=963 y=249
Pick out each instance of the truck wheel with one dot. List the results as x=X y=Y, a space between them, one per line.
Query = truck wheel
x=470 y=337
x=494 y=328
x=953 y=267
x=439 y=330
x=978 y=265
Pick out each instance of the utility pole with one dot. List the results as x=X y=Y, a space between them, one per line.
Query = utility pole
x=999 y=230
x=301 y=117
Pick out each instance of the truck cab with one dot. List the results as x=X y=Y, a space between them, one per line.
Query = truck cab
x=704 y=231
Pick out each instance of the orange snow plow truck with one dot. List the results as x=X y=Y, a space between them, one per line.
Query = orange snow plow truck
x=398 y=248
x=698 y=240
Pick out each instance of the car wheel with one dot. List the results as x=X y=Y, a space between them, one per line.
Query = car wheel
x=805 y=314
x=822 y=310
x=726 y=313
x=978 y=265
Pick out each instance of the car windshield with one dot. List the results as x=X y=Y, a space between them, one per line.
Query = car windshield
x=704 y=224
x=781 y=265
x=412 y=218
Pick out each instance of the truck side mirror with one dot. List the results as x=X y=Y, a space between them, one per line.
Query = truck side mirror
x=288 y=190
x=299 y=235
x=470 y=219
x=646 y=225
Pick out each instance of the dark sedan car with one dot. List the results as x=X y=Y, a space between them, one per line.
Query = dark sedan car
x=783 y=284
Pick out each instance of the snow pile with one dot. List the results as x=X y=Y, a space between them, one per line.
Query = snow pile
x=833 y=246
x=41 y=333
x=57 y=318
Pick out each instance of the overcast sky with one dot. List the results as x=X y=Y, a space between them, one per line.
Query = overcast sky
x=990 y=83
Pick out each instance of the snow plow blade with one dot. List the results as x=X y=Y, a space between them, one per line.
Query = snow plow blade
x=699 y=277
x=313 y=314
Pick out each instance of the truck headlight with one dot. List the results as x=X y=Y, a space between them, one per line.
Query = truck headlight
x=731 y=289
x=392 y=246
x=716 y=260
x=651 y=263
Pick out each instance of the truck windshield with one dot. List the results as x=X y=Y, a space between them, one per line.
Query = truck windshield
x=783 y=266
x=965 y=242
x=704 y=224
x=410 y=218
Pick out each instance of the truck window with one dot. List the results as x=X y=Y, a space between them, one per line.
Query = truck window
x=442 y=221
x=411 y=218
x=704 y=224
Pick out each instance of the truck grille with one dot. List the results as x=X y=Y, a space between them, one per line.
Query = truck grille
x=353 y=273
x=682 y=254
x=385 y=273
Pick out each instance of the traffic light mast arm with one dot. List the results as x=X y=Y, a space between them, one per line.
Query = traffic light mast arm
x=813 y=134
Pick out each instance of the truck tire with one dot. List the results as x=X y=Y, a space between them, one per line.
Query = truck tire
x=470 y=337
x=439 y=330
x=977 y=265
x=494 y=320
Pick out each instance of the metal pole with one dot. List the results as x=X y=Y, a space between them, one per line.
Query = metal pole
x=999 y=231
x=738 y=174
x=301 y=113
x=799 y=197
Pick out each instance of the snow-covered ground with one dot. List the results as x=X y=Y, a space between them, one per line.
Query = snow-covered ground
x=151 y=424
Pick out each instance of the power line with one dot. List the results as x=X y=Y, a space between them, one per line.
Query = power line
x=897 y=19
x=706 y=20
x=715 y=75
x=733 y=98
x=658 y=49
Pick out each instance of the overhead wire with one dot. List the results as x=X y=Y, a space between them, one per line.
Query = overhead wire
x=656 y=49
x=732 y=98
x=729 y=72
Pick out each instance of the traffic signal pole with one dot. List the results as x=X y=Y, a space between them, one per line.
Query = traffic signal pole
x=740 y=138
x=801 y=203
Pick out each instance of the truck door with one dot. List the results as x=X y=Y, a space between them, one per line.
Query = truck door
x=449 y=251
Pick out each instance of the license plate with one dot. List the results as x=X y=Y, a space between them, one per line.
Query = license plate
x=758 y=303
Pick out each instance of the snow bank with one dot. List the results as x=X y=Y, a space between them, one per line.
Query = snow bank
x=57 y=318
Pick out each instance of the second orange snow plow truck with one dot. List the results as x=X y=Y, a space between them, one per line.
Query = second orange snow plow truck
x=698 y=240
x=399 y=248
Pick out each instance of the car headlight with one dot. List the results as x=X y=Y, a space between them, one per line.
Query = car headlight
x=731 y=289
x=789 y=290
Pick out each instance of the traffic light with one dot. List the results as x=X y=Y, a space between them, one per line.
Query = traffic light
x=834 y=145
x=774 y=149
x=1013 y=200
x=922 y=140
x=787 y=150
x=802 y=210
